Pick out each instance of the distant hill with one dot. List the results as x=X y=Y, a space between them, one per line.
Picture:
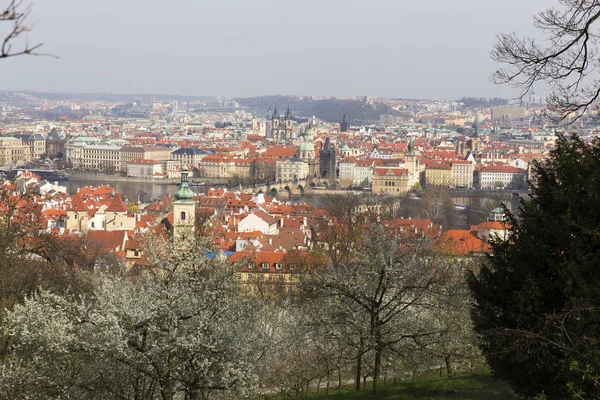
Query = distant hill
x=330 y=110
x=480 y=102
x=109 y=97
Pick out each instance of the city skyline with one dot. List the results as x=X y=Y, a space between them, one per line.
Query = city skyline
x=236 y=49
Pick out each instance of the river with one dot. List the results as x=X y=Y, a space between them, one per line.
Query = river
x=147 y=191
x=144 y=191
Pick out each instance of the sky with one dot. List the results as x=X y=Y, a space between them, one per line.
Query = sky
x=433 y=49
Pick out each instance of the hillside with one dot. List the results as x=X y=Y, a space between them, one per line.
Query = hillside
x=330 y=110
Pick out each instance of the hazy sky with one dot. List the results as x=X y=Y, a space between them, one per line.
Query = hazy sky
x=386 y=48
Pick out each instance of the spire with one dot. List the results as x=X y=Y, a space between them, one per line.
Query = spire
x=411 y=150
x=184 y=193
x=275 y=113
x=345 y=118
x=476 y=126
x=288 y=113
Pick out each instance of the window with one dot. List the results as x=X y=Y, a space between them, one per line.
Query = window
x=278 y=266
x=183 y=215
x=265 y=266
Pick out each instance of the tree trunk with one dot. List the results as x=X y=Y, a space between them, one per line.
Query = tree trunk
x=328 y=378
x=364 y=382
x=319 y=385
x=339 y=379
x=358 y=372
x=448 y=366
x=377 y=369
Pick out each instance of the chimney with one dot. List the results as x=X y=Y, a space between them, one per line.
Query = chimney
x=270 y=240
x=305 y=222
x=138 y=217
x=281 y=223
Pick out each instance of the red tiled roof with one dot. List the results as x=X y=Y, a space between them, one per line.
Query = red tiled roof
x=77 y=203
x=117 y=205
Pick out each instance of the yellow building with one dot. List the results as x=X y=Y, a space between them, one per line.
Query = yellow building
x=390 y=181
x=13 y=151
x=439 y=174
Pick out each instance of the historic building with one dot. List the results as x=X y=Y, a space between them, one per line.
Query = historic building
x=36 y=143
x=328 y=162
x=282 y=127
x=390 y=181
x=184 y=213
x=344 y=124
x=13 y=151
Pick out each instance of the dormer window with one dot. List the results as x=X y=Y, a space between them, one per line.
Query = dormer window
x=278 y=266
x=265 y=266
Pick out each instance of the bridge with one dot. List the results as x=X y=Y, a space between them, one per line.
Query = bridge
x=281 y=189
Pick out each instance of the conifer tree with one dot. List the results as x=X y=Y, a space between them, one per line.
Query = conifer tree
x=537 y=299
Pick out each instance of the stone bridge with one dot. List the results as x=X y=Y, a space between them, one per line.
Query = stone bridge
x=281 y=189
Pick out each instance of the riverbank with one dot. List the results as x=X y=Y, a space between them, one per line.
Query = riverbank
x=98 y=176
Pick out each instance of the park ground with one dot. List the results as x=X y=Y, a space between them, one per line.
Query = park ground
x=476 y=386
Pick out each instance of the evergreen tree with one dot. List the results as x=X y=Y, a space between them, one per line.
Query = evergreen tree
x=537 y=298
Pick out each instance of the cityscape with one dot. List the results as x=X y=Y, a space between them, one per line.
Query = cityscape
x=266 y=246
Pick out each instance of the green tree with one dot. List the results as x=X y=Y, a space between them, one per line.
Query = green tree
x=537 y=298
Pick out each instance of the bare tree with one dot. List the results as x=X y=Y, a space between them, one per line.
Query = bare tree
x=566 y=60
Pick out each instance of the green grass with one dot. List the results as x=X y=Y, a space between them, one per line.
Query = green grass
x=479 y=386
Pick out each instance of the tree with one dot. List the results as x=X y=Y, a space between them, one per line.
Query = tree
x=454 y=344
x=538 y=296
x=437 y=205
x=565 y=59
x=381 y=280
x=184 y=331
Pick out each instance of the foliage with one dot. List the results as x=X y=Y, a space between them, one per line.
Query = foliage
x=537 y=298
x=378 y=284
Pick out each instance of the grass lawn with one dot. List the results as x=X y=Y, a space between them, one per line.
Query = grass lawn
x=479 y=386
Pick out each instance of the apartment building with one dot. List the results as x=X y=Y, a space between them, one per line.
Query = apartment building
x=500 y=177
x=462 y=174
x=439 y=174
x=141 y=168
x=290 y=169
x=130 y=153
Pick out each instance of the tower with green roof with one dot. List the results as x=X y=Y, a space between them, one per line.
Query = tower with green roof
x=184 y=211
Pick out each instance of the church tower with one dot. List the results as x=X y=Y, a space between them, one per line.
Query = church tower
x=281 y=127
x=411 y=158
x=328 y=162
x=184 y=212
x=344 y=125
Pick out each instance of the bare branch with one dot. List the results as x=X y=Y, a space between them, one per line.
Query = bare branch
x=18 y=13
x=567 y=63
